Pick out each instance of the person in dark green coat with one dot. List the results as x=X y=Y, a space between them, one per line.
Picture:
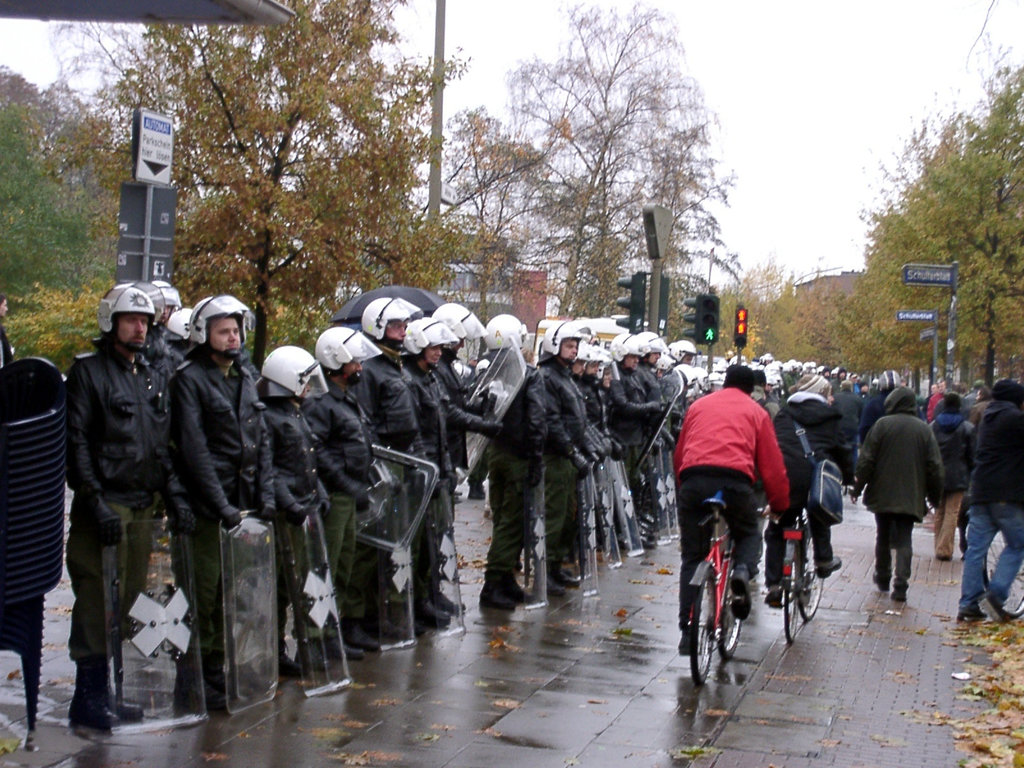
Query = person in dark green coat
x=899 y=468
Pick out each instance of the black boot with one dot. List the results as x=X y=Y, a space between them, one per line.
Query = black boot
x=90 y=706
x=357 y=637
x=286 y=665
x=493 y=595
x=214 y=684
x=512 y=588
x=476 y=490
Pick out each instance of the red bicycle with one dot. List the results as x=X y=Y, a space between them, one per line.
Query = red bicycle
x=712 y=621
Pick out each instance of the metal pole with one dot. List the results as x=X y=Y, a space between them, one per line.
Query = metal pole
x=653 y=304
x=437 y=115
x=951 y=334
x=147 y=233
x=935 y=353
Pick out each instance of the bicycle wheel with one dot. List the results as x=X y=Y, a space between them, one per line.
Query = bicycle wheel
x=811 y=586
x=729 y=627
x=790 y=601
x=702 y=629
x=1014 y=604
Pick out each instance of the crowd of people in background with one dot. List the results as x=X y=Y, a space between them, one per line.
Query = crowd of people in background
x=169 y=418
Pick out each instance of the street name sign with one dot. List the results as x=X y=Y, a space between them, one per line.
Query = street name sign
x=917 y=315
x=928 y=274
x=927 y=333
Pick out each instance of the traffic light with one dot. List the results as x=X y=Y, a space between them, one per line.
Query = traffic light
x=704 y=318
x=635 y=303
x=739 y=333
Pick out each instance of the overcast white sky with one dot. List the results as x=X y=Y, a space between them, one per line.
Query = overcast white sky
x=811 y=96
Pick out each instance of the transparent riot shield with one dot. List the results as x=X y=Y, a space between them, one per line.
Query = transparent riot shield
x=445 y=590
x=153 y=649
x=316 y=625
x=625 y=512
x=492 y=396
x=400 y=491
x=668 y=472
x=604 y=515
x=656 y=508
x=586 y=535
x=249 y=581
x=535 y=569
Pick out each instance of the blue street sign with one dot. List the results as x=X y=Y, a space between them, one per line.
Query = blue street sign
x=928 y=274
x=917 y=315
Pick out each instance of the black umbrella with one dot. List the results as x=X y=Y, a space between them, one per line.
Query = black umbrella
x=352 y=312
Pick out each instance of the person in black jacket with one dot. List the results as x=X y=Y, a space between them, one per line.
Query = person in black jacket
x=288 y=375
x=809 y=408
x=997 y=504
x=222 y=454
x=118 y=426
x=955 y=436
x=344 y=454
x=874 y=407
x=515 y=461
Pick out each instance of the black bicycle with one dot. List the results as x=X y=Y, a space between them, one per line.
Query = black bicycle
x=801 y=586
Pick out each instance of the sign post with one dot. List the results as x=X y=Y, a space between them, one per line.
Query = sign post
x=941 y=275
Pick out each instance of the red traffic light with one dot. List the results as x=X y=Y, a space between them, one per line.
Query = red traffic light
x=739 y=334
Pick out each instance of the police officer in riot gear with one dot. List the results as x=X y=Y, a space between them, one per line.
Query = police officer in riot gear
x=288 y=375
x=118 y=432
x=177 y=335
x=344 y=454
x=223 y=454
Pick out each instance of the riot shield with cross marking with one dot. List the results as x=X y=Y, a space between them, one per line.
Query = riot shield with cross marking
x=625 y=512
x=668 y=473
x=401 y=487
x=535 y=569
x=315 y=623
x=153 y=646
x=586 y=535
x=250 y=613
x=445 y=589
x=657 y=502
x=604 y=508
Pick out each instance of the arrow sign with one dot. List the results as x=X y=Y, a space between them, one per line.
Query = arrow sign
x=153 y=145
x=917 y=315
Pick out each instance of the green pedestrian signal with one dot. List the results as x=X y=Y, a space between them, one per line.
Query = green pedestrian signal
x=704 y=318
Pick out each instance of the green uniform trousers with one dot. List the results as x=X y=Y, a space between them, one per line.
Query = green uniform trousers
x=340 y=532
x=85 y=567
x=508 y=482
x=209 y=589
x=559 y=507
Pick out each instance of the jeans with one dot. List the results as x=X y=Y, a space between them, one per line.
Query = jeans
x=985 y=520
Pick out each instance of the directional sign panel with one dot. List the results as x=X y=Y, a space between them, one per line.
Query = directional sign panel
x=917 y=315
x=927 y=333
x=928 y=274
x=153 y=142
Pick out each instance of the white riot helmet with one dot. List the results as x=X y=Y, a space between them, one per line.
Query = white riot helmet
x=380 y=312
x=678 y=349
x=810 y=366
x=626 y=344
x=766 y=358
x=665 y=363
x=171 y=296
x=155 y=295
x=551 y=345
x=462 y=321
x=337 y=346
x=177 y=323
x=287 y=371
x=123 y=298
x=592 y=353
x=505 y=331
x=427 y=332
x=652 y=341
x=214 y=308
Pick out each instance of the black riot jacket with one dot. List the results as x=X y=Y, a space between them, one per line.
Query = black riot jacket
x=567 y=419
x=628 y=417
x=119 y=430
x=385 y=393
x=460 y=418
x=222 y=447
x=344 y=439
x=296 y=483
x=524 y=429
x=432 y=442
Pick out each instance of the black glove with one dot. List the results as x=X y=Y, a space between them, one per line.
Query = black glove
x=266 y=513
x=652 y=409
x=324 y=508
x=617 y=452
x=230 y=517
x=535 y=473
x=580 y=462
x=295 y=515
x=110 y=522
x=490 y=428
x=182 y=521
x=362 y=497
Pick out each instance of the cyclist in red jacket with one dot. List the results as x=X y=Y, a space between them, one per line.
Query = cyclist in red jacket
x=726 y=443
